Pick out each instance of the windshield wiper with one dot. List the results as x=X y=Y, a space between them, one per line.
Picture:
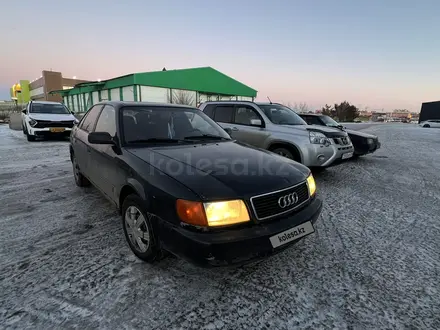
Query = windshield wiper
x=157 y=140
x=205 y=137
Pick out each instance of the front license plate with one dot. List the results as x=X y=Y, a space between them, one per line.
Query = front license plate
x=57 y=129
x=292 y=234
x=347 y=155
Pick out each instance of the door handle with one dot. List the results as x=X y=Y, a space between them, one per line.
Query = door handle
x=234 y=129
x=88 y=149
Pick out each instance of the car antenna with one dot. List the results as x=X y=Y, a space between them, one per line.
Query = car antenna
x=269 y=99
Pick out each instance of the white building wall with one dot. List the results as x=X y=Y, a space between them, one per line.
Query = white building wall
x=128 y=93
x=154 y=94
x=89 y=101
x=82 y=107
x=95 y=97
x=114 y=94
x=104 y=95
x=36 y=91
x=75 y=103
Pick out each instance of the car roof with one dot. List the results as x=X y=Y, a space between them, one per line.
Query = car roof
x=45 y=102
x=119 y=104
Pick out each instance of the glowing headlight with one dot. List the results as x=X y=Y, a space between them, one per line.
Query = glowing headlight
x=212 y=214
x=226 y=213
x=311 y=184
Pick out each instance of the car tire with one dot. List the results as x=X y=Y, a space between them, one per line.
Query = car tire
x=426 y=126
x=80 y=179
x=139 y=235
x=23 y=128
x=285 y=153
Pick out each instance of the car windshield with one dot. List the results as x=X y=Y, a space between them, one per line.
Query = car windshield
x=158 y=124
x=329 y=121
x=281 y=115
x=59 y=109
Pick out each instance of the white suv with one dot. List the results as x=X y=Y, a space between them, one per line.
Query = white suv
x=44 y=119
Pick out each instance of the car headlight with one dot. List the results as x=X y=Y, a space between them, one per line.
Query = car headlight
x=311 y=184
x=75 y=121
x=318 y=138
x=212 y=214
x=370 y=141
x=32 y=122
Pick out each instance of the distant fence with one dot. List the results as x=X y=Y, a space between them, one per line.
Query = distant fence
x=7 y=108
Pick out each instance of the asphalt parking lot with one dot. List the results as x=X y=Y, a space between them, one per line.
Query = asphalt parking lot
x=374 y=262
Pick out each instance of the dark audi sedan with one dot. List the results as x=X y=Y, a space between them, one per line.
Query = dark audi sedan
x=182 y=185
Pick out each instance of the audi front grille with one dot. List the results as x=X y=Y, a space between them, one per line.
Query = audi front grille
x=279 y=202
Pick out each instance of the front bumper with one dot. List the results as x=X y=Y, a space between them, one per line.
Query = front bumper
x=365 y=148
x=232 y=246
x=326 y=156
x=47 y=131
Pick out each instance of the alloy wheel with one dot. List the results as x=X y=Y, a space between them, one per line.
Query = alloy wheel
x=137 y=229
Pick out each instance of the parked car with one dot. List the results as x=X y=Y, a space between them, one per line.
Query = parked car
x=363 y=143
x=435 y=123
x=279 y=129
x=174 y=175
x=44 y=119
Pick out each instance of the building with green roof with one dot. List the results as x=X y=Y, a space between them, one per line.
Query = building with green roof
x=185 y=86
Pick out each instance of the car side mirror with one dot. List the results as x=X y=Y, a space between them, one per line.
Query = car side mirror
x=256 y=122
x=23 y=111
x=228 y=130
x=100 y=138
x=72 y=112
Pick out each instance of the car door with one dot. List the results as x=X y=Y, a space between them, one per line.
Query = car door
x=103 y=157
x=249 y=126
x=80 y=142
x=224 y=116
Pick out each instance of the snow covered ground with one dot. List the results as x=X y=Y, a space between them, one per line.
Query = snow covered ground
x=374 y=262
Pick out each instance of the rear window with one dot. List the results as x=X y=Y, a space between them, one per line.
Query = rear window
x=54 y=108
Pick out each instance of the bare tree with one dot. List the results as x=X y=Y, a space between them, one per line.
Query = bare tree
x=181 y=97
x=301 y=107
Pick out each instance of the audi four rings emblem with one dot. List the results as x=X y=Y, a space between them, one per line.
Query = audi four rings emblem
x=288 y=200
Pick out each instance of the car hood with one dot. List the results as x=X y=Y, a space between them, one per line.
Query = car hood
x=327 y=131
x=362 y=134
x=51 y=117
x=224 y=169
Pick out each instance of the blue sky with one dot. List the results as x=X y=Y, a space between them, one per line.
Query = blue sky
x=380 y=54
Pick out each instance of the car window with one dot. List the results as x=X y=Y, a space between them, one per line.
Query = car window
x=88 y=122
x=107 y=120
x=311 y=120
x=141 y=123
x=281 y=115
x=224 y=114
x=244 y=115
x=209 y=110
x=49 y=108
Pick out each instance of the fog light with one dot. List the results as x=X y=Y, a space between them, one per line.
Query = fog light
x=321 y=157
